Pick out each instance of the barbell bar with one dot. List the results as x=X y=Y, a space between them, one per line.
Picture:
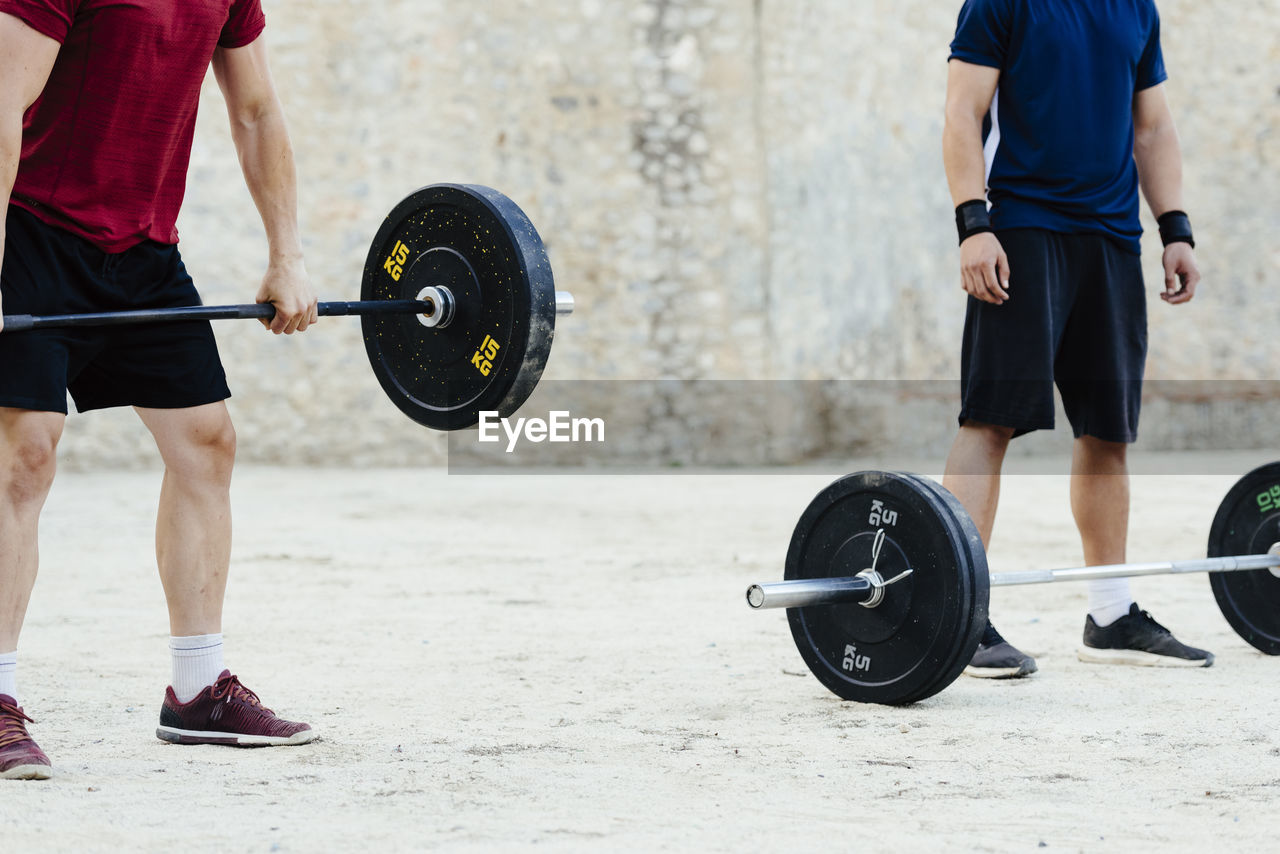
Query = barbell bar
x=427 y=307
x=264 y=311
x=857 y=589
x=868 y=641
x=457 y=304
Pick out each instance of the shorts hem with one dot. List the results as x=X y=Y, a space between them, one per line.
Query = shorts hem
x=168 y=403
x=1126 y=438
x=32 y=404
x=1021 y=426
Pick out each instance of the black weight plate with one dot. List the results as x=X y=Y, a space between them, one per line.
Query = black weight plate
x=480 y=245
x=972 y=553
x=916 y=642
x=1248 y=523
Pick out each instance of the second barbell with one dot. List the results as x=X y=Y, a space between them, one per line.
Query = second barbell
x=901 y=640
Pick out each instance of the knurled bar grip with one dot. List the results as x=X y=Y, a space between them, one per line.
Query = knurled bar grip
x=807 y=592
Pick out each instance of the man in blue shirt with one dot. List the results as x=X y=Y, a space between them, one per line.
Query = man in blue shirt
x=1056 y=116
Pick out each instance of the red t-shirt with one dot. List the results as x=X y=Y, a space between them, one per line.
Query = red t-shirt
x=106 y=146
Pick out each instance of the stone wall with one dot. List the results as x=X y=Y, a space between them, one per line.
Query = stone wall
x=732 y=190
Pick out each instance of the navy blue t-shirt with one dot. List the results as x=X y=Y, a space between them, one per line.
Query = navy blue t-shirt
x=1059 y=136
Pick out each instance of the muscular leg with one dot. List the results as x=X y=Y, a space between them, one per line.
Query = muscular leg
x=973 y=472
x=973 y=476
x=1115 y=633
x=193 y=526
x=1100 y=498
x=1100 y=505
x=28 y=444
x=193 y=549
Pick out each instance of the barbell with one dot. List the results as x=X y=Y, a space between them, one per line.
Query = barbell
x=900 y=640
x=458 y=306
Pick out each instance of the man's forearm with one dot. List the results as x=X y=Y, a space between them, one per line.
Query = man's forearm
x=266 y=158
x=1158 y=155
x=962 y=157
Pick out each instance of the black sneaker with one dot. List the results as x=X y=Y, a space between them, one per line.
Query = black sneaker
x=1135 y=638
x=996 y=658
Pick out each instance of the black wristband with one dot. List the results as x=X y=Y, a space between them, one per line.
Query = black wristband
x=1175 y=227
x=972 y=218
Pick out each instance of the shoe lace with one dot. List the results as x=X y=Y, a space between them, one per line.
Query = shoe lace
x=1146 y=615
x=230 y=686
x=13 y=725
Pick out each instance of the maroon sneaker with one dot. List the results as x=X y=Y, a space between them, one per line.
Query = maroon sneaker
x=227 y=713
x=20 y=757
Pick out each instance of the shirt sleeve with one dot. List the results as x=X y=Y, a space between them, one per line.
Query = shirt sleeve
x=51 y=18
x=982 y=33
x=245 y=22
x=1151 y=71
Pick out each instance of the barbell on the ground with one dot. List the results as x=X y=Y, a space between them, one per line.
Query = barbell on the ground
x=901 y=640
x=458 y=306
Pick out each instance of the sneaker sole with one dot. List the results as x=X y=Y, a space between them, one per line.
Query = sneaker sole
x=999 y=672
x=27 y=772
x=1137 y=658
x=231 y=739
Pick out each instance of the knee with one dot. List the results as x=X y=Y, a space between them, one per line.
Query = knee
x=1103 y=455
x=31 y=463
x=208 y=453
x=218 y=446
x=994 y=438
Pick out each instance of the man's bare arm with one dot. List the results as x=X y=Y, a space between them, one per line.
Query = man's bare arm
x=26 y=58
x=1158 y=153
x=984 y=267
x=266 y=158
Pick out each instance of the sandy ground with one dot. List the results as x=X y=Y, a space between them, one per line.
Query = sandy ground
x=500 y=662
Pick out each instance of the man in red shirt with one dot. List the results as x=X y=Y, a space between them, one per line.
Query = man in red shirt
x=97 y=113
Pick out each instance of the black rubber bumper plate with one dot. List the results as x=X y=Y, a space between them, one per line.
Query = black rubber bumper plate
x=919 y=639
x=1248 y=523
x=478 y=244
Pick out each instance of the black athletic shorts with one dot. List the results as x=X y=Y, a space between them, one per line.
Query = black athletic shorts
x=50 y=271
x=1076 y=316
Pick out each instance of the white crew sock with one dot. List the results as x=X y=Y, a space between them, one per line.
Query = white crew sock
x=197 y=664
x=9 y=674
x=1109 y=600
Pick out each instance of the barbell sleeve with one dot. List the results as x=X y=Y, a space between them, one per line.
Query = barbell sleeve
x=809 y=591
